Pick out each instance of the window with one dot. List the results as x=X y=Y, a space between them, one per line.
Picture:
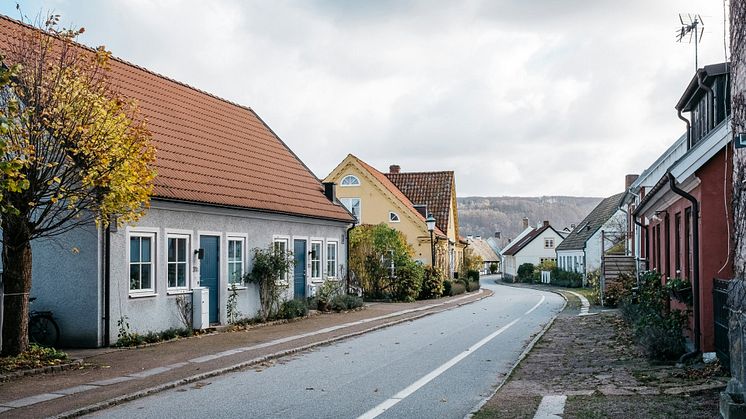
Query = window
x=178 y=266
x=141 y=262
x=235 y=260
x=352 y=205
x=281 y=246
x=350 y=180
x=315 y=259
x=393 y=217
x=549 y=243
x=331 y=259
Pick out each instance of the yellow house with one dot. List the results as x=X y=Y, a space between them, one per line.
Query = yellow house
x=402 y=200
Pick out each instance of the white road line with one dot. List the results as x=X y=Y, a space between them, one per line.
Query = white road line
x=536 y=306
x=585 y=305
x=551 y=407
x=396 y=398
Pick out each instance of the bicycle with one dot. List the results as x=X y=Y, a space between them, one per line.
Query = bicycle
x=42 y=328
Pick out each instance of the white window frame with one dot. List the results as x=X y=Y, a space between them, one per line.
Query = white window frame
x=332 y=261
x=243 y=240
x=354 y=183
x=548 y=242
x=285 y=240
x=347 y=202
x=152 y=235
x=394 y=217
x=320 y=259
x=187 y=261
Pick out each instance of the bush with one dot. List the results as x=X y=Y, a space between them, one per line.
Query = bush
x=508 y=278
x=618 y=290
x=493 y=268
x=447 y=287
x=292 y=309
x=526 y=272
x=474 y=286
x=472 y=275
x=346 y=302
x=408 y=282
x=457 y=288
x=432 y=285
x=326 y=292
x=569 y=279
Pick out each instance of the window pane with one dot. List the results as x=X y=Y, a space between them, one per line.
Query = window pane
x=146 y=282
x=145 y=247
x=134 y=249
x=181 y=274
x=172 y=275
x=239 y=250
x=172 y=250
x=231 y=249
x=182 y=244
x=134 y=277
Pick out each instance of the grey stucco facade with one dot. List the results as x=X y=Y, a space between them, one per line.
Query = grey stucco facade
x=69 y=271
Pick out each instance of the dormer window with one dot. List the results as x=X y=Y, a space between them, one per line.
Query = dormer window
x=393 y=217
x=707 y=99
x=350 y=180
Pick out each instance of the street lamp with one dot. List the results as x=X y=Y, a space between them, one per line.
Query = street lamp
x=430 y=221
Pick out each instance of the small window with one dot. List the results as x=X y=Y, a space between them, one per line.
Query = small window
x=315 y=260
x=353 y=205
x=178 y=265
x=281 y=246
x=549 y=243
x=142 y=254
x=393 y=217
x=331 y=259
x=350 y=180
x=235 y=260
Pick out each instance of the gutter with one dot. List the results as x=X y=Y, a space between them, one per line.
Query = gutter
x=695 y=262
x=710 y=110
x=688 y=129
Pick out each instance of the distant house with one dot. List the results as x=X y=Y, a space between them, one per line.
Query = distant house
x=226 y=184
x=482 y=248
x=402 y=200
x=534 y=245
x=605 y=227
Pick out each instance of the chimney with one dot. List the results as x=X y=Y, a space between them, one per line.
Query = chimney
x=329 y=191
x=394 y=168
x=546 y=223
x=497 y=234
x=629 y=180
x=469 y=237
x=479 y=237
x=525 y=223
x=572 y=226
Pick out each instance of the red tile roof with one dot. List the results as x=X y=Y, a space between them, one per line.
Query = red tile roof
x=434 y=189
x=384 y=180
x=210 y=150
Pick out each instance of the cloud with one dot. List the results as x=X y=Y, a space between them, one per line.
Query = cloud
x=518 y=97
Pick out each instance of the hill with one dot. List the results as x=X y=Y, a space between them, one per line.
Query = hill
x=483 y=216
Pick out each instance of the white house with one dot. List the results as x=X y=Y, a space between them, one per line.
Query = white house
x=534 y=245
x=582 y=250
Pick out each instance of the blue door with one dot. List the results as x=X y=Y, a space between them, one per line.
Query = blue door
x=299 y=269
x=209 y=272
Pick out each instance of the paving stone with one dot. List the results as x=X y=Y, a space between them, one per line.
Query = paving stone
x=74 y=390
x=110 y=381
x=31 y=400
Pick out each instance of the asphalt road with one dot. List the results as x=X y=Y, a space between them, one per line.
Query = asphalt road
x=438 y=366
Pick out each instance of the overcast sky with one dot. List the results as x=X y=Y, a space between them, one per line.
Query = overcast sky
x=518 y=97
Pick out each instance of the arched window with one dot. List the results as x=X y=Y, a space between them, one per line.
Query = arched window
x=350 y=180
x=393 y=217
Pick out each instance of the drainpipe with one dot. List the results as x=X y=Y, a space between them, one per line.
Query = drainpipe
x=688 y=130
x=695 y=262
x=710 y=112
x=107 y=283
x=347 y=265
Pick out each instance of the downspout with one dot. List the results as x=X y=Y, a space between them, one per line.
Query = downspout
x=107 y=284
x=688 y=130
x=347 y=265
x=711 y=111
x=695 y=262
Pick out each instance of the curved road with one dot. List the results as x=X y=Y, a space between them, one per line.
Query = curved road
x=438 y=366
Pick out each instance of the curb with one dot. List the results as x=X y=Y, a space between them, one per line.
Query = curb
x=187 y=380
x=74 y=363
x=520 y=359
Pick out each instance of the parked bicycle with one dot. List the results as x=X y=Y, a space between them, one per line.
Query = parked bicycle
x=42 y=328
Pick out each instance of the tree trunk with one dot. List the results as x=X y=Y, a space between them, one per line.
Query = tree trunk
x=17 y=283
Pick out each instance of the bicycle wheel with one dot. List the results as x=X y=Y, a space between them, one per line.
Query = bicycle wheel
x=43 y=330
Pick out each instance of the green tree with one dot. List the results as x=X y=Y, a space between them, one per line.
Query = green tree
x=376 y=252
x=269 y=269
x=77 y=151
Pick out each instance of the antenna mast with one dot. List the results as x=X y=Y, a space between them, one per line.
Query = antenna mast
x=693 y=26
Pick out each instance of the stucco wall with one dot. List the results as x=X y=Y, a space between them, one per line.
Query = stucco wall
x=159 y=312
x=66 y=281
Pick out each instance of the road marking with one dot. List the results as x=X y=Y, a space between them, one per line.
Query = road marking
x=585 y=305
x=536 y=306
x=396 y=398
x=551 y=407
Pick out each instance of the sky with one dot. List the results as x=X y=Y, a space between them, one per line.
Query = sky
x=519 y=98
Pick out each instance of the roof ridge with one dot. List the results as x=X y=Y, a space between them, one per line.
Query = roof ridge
x=128 y=63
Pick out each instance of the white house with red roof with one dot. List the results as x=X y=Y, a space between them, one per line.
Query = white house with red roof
x=226 y=184
x=533 y=245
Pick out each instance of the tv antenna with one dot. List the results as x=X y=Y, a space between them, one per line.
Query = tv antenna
x=694 y=26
